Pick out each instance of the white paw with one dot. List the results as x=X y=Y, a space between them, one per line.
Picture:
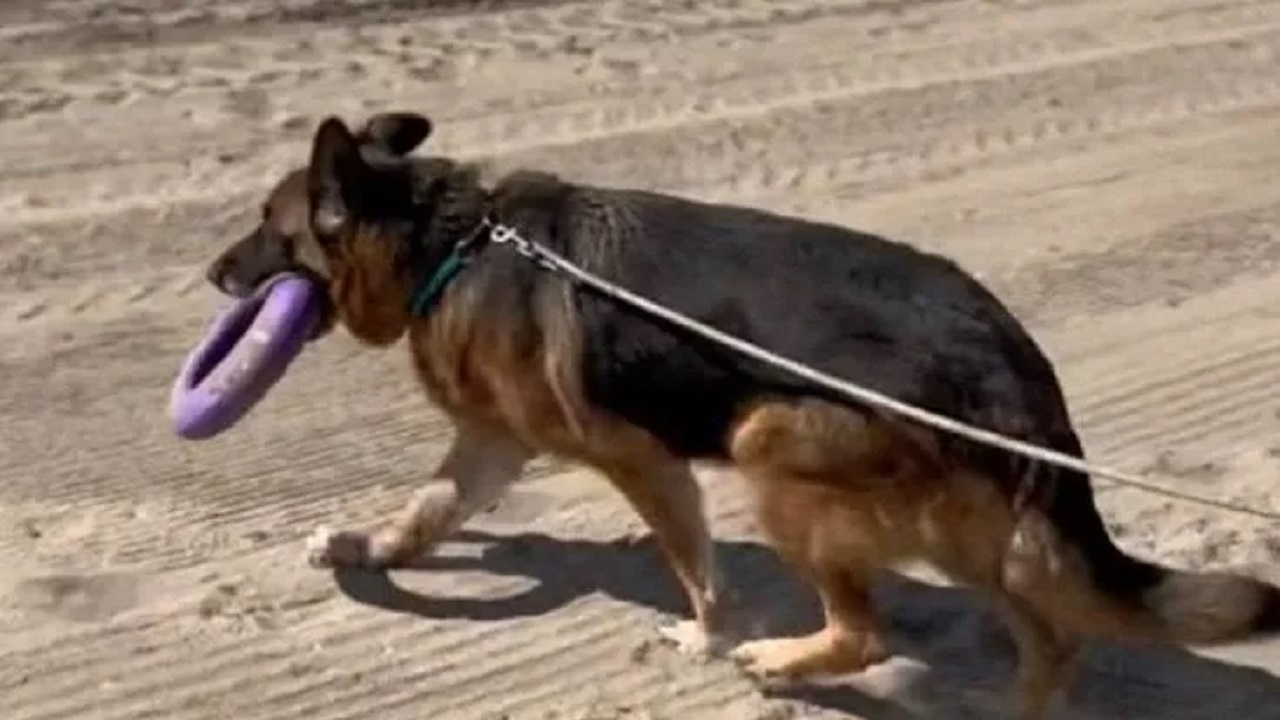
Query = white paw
x=348 y=549
x=689 y=638
x=768 y=663
x=758 y=658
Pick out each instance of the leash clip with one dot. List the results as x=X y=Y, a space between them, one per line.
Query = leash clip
x=500 y=234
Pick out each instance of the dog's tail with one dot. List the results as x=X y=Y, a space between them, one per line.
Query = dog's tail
x=1128 y=598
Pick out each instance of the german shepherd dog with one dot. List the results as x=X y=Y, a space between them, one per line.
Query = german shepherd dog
x=524 y=363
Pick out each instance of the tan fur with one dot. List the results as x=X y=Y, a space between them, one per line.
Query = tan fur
x=366 y=285
x=480 y=464
x=842 y=495
x=508 y=386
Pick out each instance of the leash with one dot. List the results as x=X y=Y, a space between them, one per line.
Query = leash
x=548 y=259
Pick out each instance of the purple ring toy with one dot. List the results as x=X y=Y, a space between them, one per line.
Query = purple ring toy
x=246 y=351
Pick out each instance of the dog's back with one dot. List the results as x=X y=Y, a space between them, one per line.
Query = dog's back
x=907 y=323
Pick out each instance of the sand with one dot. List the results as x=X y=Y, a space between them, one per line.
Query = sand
x=1108 y=167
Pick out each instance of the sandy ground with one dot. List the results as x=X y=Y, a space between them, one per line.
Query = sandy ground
x=1109 y=167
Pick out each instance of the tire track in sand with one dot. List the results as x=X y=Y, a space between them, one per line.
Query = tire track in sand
x=783 y=127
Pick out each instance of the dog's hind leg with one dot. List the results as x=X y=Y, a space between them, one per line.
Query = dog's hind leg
x=480 y=465
x=1046 y=658
x=848 y=642
x=668 y=498
x=823 y=489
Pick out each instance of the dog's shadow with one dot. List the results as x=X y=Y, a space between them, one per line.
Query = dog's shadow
x=964 y=657
x=563 y=571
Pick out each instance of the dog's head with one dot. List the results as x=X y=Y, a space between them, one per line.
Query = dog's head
x=346 y=220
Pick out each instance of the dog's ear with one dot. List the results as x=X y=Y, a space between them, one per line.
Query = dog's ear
x=333 y=176
x=396 y=133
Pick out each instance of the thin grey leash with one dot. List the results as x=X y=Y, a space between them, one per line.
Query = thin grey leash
x=549 y=259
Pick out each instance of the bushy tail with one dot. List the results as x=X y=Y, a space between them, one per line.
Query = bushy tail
x=1139 y=600
x=1207 y=608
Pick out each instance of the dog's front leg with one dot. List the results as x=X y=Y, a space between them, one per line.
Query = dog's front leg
x=668 y=498
x=480 y=465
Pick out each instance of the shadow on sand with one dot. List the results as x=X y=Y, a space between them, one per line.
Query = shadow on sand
x=964 y=656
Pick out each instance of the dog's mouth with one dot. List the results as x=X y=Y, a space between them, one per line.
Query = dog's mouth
x=326 y=312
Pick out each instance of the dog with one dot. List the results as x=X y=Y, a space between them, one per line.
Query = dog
x=525 y=362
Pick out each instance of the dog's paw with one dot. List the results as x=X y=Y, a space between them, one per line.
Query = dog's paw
x=350 y=550
x=771 y=661
x=690 y=638
x=775 y=662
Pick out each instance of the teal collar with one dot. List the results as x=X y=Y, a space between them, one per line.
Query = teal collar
x=430 y=290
